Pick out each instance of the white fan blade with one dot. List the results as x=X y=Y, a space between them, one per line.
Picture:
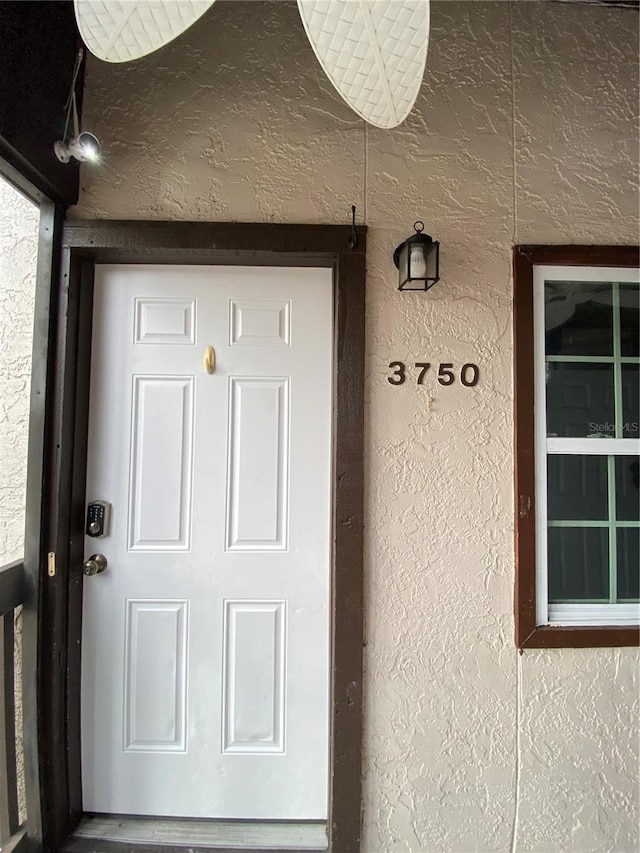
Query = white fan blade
x=121 y=30
x=373 y=51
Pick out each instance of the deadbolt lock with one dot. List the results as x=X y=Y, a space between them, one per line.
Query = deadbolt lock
x=95 y=565
x=98 y=515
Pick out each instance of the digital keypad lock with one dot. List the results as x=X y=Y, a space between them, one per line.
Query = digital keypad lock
x=98 y=515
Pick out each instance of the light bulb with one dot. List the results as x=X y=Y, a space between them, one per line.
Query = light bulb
x=85 y=147
x=417 y=263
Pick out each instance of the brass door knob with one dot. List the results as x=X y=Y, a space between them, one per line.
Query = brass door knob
x=95 y=565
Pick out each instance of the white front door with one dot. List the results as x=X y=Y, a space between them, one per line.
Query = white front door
x=205 y=656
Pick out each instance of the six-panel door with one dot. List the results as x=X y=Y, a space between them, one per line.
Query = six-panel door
x=205 y=656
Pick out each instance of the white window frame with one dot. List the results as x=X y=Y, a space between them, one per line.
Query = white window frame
x=569 y=614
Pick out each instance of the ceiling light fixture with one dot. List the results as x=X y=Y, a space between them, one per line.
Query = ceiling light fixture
x=84 y=146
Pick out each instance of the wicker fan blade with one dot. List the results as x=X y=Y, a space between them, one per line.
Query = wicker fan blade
x=122 y=30
x=373 y=51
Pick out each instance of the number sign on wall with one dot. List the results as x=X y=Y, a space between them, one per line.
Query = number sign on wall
x=447 y=374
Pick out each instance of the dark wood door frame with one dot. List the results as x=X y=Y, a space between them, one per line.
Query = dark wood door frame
x=84 y=244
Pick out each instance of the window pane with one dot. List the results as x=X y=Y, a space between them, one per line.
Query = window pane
x=577 y=488
x=578 y=560
x=628 y=563
x=627 y=491
x=578 y=318
x=19 y=222
x=630 y=400
x=629 y=319
x=580 y=400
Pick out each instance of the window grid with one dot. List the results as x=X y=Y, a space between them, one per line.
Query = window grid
x=613 y=536
x=613 y=525
x=617 y=367
x=596 y=445
x=617 y=359
x=592 y=523
x=599 y=359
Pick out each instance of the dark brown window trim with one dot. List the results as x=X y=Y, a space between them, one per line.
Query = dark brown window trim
x=528 y=634
x=84 y=244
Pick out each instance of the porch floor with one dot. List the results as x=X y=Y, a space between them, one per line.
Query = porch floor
x=117 y=834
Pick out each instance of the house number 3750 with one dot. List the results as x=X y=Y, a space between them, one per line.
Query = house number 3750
x=447 y=373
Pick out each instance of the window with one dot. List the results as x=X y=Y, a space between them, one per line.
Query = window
x=577 y=379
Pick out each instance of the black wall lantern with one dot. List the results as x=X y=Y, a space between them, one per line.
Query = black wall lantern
x=418 y=261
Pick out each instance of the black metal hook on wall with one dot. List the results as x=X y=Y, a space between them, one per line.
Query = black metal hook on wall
x=353 y=242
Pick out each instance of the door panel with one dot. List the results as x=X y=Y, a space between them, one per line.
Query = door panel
x=161 y=463
x=155 y=702
x=206 y=641
x=257 y=507
x=254 y=676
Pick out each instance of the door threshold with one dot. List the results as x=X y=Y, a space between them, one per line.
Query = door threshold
x=164 y=834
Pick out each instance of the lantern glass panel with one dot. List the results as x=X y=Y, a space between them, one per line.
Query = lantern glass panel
x=403 y=266
x=432 y=261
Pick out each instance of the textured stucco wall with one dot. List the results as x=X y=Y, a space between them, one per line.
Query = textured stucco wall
x=18 y=247
x=524 y=131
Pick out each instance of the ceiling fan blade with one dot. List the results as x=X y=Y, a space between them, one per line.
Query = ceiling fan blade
x=122 y=30
x=373 y=51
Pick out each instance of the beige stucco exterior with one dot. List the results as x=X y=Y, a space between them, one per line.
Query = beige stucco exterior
x=524 y=132
x=18 y=250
